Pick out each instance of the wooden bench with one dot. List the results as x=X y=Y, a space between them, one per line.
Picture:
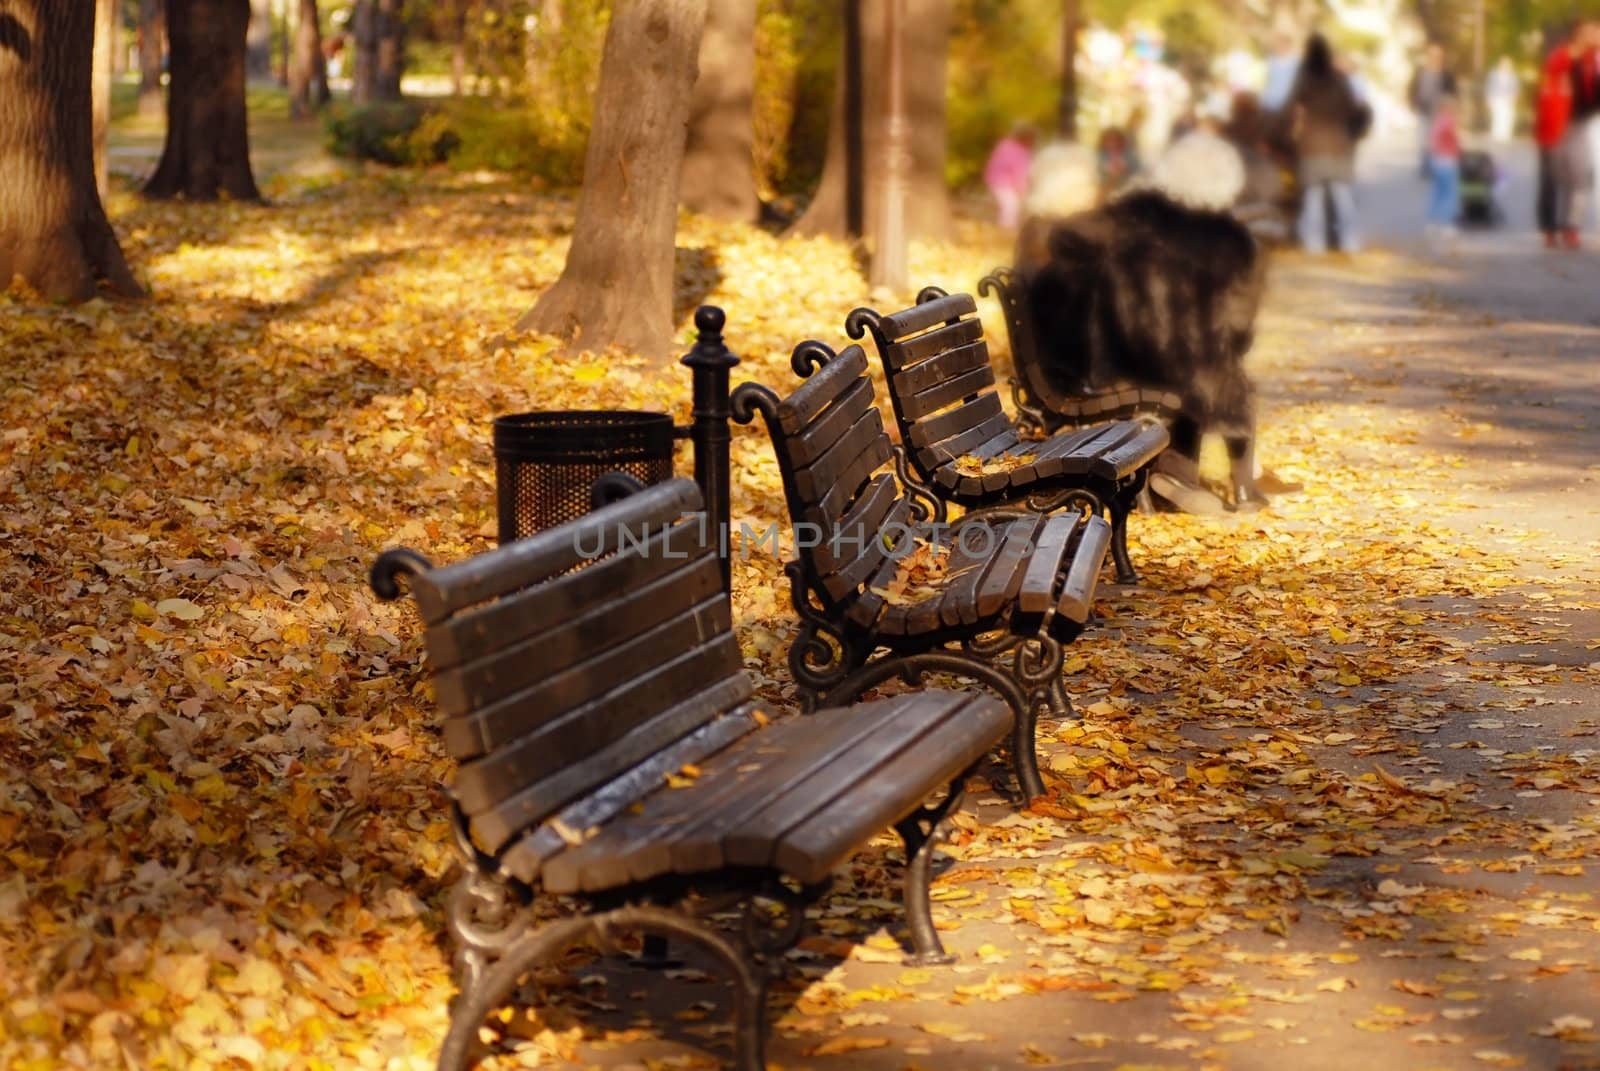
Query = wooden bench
x=1012 y=587
x=609 y=752
x=965 y=447
x=1042 y=407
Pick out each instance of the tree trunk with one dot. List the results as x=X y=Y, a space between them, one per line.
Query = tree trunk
x=927 y=37
x=379 y=37
x=308 y=68
x=1071 y=25
x=617 y=286
x=151 y=29
x=458 y=46
x=719 y=175
x=258 y=42
x=207 y=152
x=53 y=230
x=105 y=17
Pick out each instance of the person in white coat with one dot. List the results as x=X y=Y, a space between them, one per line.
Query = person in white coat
x=1500 y=94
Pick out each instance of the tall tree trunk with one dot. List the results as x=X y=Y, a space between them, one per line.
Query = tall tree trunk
x=927 y=40
x=151 y=30
x=719 y=174
x=1067 y=112
x=308 y=68
x=379 y=38
x=258 y=41
x=207 y=152
x=53 y=230
x=459 y=15
x=617 y=286
x=105 y=17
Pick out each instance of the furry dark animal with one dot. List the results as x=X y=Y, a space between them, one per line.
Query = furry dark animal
x=1149 y=290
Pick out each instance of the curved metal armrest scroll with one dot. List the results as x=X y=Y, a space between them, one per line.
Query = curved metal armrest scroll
x=931 y=293
x=390 y=566
x=861 y=320
x=809 y=356
x=925 y=505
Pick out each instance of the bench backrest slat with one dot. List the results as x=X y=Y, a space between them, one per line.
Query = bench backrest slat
x=941 y=381
x=832 y=445
x=559 y=671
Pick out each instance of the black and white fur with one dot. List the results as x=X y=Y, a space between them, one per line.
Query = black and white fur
x=1158 y=286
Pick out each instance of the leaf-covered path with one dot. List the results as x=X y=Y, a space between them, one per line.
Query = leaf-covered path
x=1333 y=797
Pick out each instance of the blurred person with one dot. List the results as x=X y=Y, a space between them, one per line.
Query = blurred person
x=1444 y=164
x=1160 y=286
x=1283 y=66
x=1585 y=118
x=1500 y=94
x=1431 y=82
x=1116 y=160
x=1006 y=174
x=1325 y=117
x=1552 y=117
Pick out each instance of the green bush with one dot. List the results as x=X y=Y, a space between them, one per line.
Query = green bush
x=399 y=133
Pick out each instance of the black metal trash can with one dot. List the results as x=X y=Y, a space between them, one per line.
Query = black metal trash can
x=546 y=464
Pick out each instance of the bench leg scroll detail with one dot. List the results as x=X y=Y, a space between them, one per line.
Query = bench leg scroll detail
x=920 y=832
x=494 y=987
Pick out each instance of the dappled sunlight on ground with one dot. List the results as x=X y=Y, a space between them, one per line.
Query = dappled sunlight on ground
x=1334 y=785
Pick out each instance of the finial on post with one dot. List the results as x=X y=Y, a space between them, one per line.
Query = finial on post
x=710 y=360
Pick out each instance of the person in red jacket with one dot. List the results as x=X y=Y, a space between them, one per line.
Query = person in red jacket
x=1552 y=116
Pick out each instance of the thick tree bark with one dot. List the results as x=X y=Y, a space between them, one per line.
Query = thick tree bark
x=207 y=152
x=308 y=68
x=617 y=286
x=927 y=39
x=105 y=17
x=379 y=33
x=719 y=177
x=151 y=31
x=53 y=230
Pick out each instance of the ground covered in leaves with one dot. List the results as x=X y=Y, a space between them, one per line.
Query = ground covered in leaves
x=1333 y=794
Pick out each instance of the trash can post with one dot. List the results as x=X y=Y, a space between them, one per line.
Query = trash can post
x=711 y=361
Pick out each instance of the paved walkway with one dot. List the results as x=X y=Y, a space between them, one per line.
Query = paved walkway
x=1336 y=795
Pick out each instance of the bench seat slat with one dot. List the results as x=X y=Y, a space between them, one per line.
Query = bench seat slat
x=915 y=732
x=1077 y=592
x=813 y=846
x=1135 y=452
x=635 y=699
x=1001 y=585
x=524 y=858
x=535 y=801
x=640 y=845
x=1038 y=593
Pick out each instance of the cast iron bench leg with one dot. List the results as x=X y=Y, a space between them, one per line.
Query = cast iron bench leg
x=920 y=832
